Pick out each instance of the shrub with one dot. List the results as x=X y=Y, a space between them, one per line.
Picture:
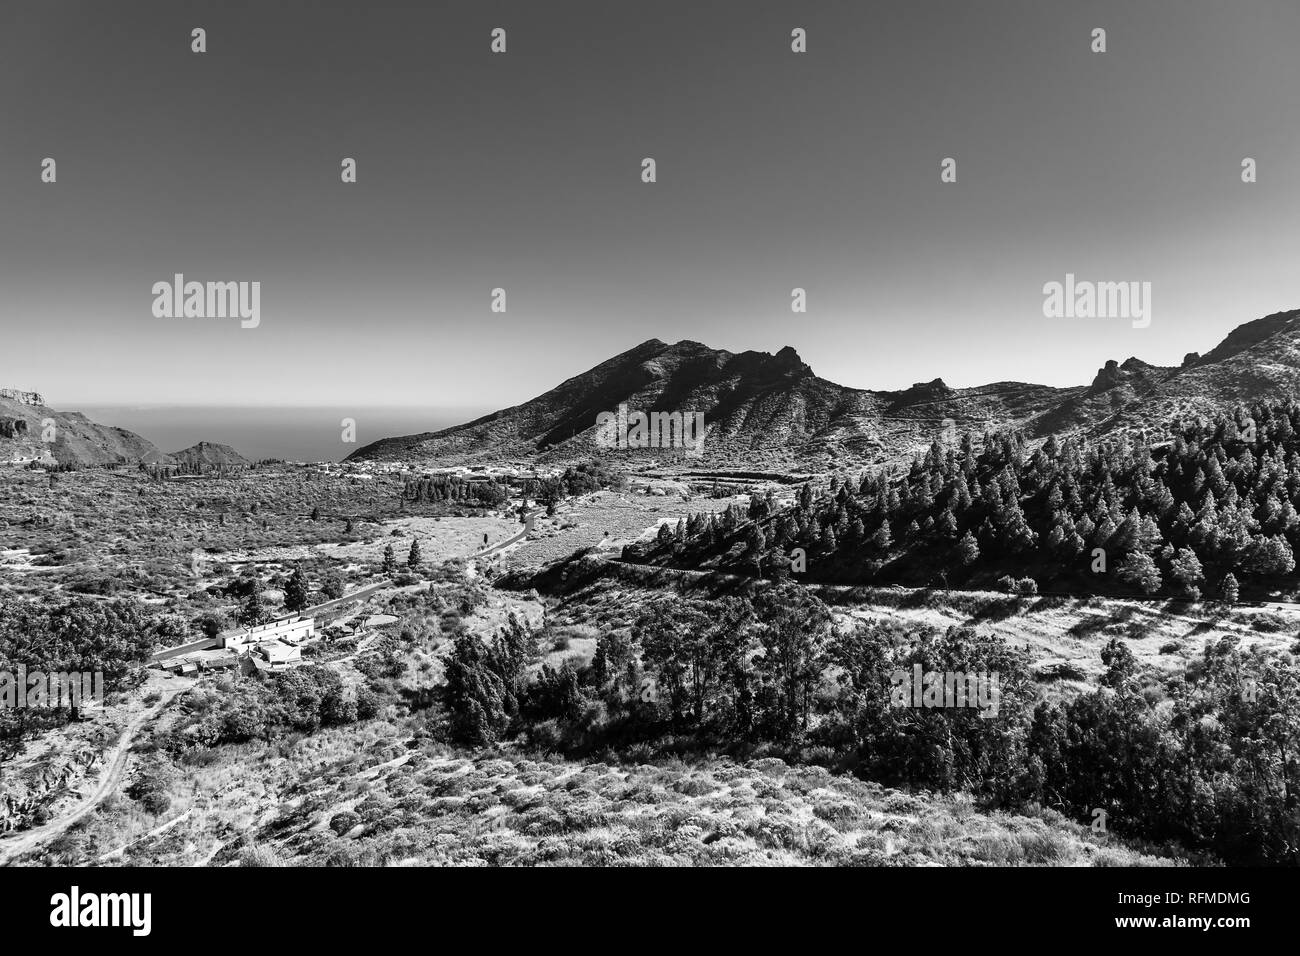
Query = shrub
x=341 y=823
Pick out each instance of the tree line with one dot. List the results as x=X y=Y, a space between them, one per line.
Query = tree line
x=1207 y=761
x=1208 y=509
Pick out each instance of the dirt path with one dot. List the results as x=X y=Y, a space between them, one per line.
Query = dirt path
x=152 y=833
x=26 y=841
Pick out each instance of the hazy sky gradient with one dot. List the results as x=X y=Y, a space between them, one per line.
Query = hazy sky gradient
x=775 y=170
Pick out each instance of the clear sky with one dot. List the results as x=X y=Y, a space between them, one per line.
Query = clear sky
x=522 y=170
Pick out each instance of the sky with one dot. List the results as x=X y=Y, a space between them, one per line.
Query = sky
x=522 y=170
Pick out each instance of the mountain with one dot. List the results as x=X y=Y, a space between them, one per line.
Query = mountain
x=208 y=454
x=758 y=407
x=764 y=409
x=25 y=420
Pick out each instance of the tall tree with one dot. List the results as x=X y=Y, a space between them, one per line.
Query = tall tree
x=295 y=591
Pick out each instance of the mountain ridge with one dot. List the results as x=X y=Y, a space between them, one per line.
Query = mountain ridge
x=73 y=438
x=773 y=407
x=26 y=422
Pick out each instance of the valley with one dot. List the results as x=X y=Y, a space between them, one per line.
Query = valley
x=524 y=647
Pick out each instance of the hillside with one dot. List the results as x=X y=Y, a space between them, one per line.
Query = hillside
x=428 y=809
x=370 y=795
x=206 y=454
x=757 y=406
x=24 y=419
x=1257 y=361
x=774 y=410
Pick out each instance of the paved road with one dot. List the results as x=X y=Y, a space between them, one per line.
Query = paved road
x=370 y=589
x=25 y=841
x=500 y=546
x=356 y=595
x=1161 y=602
x=201 y=645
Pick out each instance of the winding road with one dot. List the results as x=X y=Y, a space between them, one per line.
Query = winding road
x=17 y=844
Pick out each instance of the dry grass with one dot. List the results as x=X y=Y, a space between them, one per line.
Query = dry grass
x=607 y=518
x=369 y=795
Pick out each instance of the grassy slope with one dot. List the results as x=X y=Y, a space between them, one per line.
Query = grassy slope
x=426 y=804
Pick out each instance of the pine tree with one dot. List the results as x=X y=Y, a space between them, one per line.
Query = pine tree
x=413 y=557
x=600 y=664
x=968 y=549
x=1138 y=570
x=295 y=592
x=755 y=544
x=390 y=560
x=253 y=613
x=1186 y=572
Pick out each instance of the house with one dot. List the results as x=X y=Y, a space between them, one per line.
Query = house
x=200 y=660
x=293 y=630
x=275 y=655
x=274 y=646
x=221 y=662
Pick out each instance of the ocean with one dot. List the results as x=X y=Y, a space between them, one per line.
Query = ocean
x=294 y=433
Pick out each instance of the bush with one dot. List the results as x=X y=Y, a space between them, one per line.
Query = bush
x=341 y=823
x=260 y=856
x=151 y=787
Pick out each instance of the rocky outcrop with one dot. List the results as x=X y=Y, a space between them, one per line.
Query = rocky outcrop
x=22 y=398
x=12 y=428
x=23 y=800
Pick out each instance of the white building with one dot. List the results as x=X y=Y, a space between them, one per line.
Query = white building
x=275 y=655
x=293 y=631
